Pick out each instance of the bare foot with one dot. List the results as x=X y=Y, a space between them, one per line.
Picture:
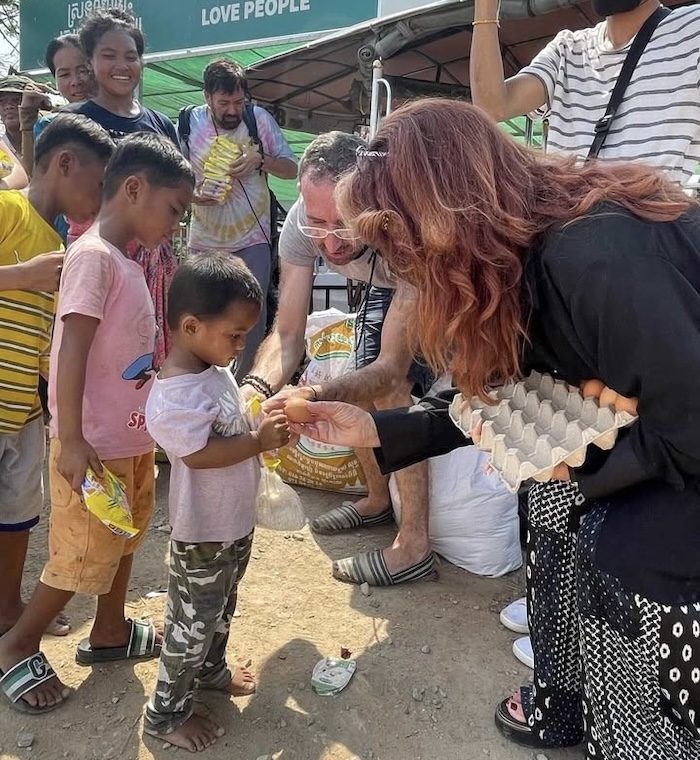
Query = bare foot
x=242 y=684
x=195 y=734
x=50 y=694
x=515 y=708
x=59 y=626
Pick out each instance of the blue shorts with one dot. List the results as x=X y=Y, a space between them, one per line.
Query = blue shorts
x=368 y=339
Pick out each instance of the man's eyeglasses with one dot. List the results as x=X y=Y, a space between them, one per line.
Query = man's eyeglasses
x=319 y=233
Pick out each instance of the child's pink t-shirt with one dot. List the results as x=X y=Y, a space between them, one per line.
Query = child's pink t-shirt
x=99 y=281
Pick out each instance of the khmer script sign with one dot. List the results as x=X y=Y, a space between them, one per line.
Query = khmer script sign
x=187 y=24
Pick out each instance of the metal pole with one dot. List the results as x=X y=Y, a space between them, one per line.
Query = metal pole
x=378 y=82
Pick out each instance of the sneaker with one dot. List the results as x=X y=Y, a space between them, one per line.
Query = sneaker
x=522 y=649
x=514 y=616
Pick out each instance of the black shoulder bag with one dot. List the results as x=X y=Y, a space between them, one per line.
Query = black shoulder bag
x=602 y=126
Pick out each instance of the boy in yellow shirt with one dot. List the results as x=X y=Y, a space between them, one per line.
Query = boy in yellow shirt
x=69 y=166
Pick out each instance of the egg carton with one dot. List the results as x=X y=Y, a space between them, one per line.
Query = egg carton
x=536 y=424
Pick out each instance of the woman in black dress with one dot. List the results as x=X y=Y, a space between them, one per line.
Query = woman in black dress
x=522 y=262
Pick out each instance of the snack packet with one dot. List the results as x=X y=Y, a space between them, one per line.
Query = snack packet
x=331 y=676
x=217 y=182
x=5 y=164
x=106 y=498
x=278 y=505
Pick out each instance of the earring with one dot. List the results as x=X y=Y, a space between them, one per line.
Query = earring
x=385 y=222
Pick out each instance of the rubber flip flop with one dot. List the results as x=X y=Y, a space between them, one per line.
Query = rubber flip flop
x=142 y=645
x=26 y=675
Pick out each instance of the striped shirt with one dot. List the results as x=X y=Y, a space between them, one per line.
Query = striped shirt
x=658 y=121
x=26 y=317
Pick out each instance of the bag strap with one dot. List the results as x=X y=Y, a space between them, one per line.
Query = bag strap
x=184 y=129
x=251 y=122
x=602 y=126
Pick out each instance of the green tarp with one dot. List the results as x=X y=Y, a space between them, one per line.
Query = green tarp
x=168 y=86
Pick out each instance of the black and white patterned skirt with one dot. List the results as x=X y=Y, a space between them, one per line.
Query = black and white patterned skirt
x=617 y=670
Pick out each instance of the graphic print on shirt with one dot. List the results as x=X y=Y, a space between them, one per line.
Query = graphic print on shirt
x=140 y=371
x=229 y=422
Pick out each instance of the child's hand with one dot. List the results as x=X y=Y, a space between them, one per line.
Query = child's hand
x=273 y=431
x=43 y=272
x=74 y=460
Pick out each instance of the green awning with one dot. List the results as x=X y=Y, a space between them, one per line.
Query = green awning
x=170 y=85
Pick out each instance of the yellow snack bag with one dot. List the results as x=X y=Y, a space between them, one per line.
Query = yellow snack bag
x=216 y=182
x=106 y=499
x=5 y=164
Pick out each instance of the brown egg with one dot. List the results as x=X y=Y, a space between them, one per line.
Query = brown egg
x=297 y=410
x=624 y=404
x=608 y=397
x=592 y=388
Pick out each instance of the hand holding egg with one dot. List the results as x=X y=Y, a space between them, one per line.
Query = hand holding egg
x=297 y=410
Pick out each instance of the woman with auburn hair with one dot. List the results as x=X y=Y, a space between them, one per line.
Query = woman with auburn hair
x=522 y=262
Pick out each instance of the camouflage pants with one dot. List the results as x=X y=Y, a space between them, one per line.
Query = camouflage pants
x=202 y=593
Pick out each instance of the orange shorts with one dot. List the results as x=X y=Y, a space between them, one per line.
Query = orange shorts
x=84 y=554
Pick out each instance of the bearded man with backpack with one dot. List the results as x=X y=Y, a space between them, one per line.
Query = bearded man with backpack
x=233 y=147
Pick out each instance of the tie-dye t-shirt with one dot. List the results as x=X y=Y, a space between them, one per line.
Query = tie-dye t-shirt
x=243 y=220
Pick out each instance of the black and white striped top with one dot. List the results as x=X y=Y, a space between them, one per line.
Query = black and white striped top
x=658 y=121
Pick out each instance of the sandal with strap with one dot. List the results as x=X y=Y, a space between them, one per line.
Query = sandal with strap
x=142 y=645
x=26 y=675
x=346 y=517
x=513 y=729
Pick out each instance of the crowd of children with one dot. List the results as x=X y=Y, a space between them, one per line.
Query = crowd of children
x=100 y=419
x=84 y=320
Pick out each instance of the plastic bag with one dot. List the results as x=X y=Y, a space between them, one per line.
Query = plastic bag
x=106 y=498
x=473 y=518
x=279 y=506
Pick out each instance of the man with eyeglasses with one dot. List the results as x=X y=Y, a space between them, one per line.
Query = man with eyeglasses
x=385 y=371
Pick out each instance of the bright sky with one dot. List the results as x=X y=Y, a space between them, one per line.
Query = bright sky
x=7 y=56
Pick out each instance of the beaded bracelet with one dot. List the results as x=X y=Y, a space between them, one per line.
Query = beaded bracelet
x=260 y=385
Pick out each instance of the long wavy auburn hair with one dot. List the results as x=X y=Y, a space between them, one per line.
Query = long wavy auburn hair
x=454 y=204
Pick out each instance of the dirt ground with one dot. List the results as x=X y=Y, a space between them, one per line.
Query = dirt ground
x=292 y=613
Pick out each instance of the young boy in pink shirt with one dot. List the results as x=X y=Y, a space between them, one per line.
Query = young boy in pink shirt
x=101 y=369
